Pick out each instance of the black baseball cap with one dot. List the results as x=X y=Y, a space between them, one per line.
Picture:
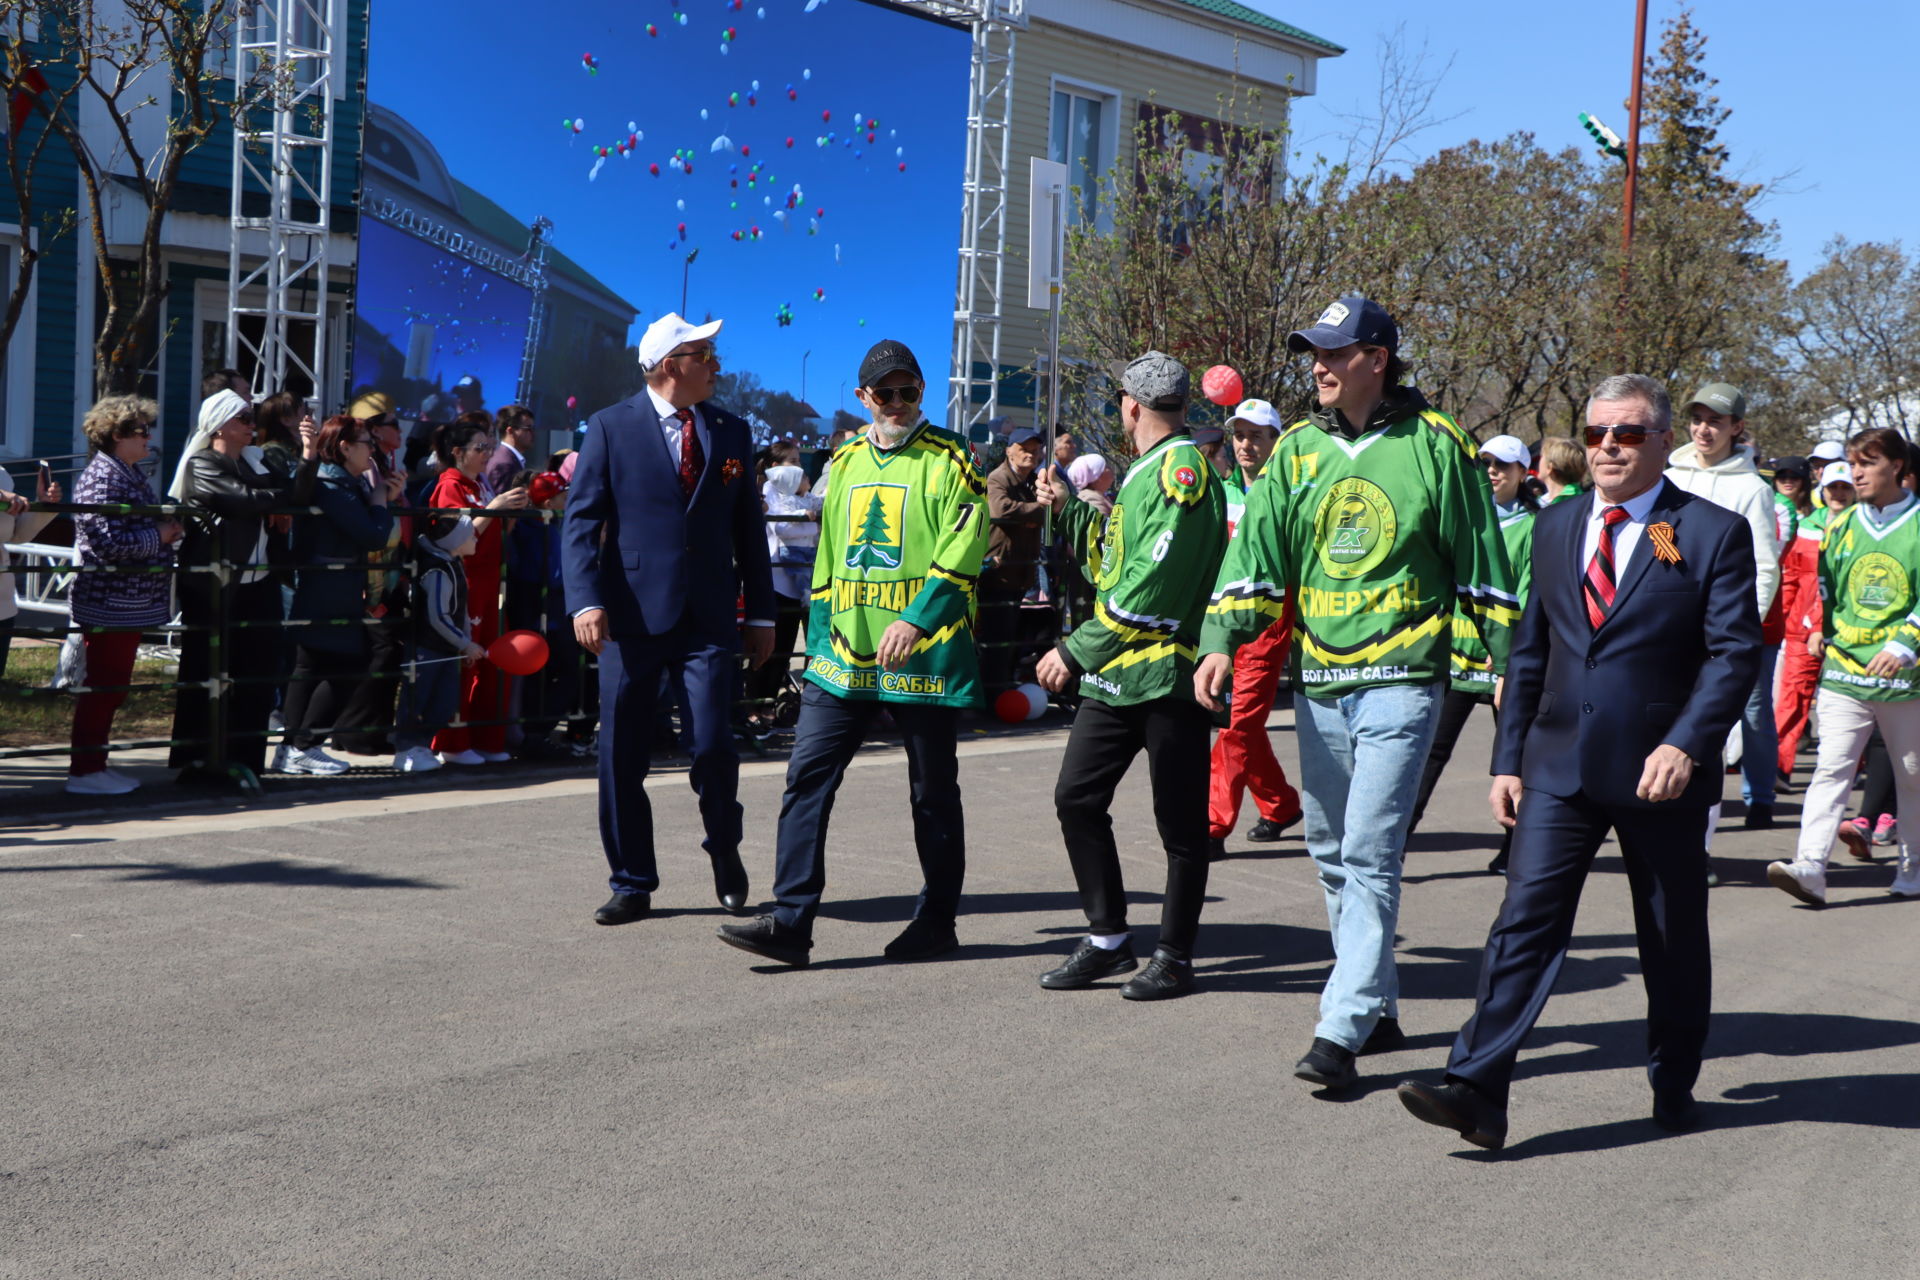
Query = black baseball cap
x=888 y=356
x=1208 y=435
x=1349 y=320
x=1792 y=465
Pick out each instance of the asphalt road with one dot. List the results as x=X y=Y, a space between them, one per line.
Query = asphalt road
x=382 y=1037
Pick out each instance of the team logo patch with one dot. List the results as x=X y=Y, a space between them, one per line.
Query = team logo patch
x=1880 y=586
x=1113 y=550
x=876 y=525
x=1334 y=314
x=1187 y=477
x=1354 y=528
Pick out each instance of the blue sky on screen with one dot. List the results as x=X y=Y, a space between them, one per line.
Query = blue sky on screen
x=492 y=88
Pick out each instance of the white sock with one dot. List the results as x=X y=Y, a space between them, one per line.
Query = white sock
x=1109 y=941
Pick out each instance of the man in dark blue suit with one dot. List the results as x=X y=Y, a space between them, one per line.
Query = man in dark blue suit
x=1635 y=655
x=663 y=538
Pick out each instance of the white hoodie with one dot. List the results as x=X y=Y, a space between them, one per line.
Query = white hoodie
x=1736 y=484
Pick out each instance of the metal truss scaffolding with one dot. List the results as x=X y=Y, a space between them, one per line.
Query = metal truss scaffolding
x=282 y=149
x=979 y=305
x=539 y=236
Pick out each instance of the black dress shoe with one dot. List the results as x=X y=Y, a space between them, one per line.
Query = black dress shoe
x=1090 y=963
x=1459 y=1107
x=1675 y=1111
x=1162 y=979
x=1328 y=1065
x=765 y=936
x=624 y=908
x=1759 y=818
x=1386 y=1037
x=1265 y=832
x=730 y=882
x=923 y=940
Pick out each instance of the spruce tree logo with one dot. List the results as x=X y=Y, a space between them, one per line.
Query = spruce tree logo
x=875 y=515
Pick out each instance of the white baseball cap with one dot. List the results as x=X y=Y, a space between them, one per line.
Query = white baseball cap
x=1836 y=473
x=668 y=332
x=1506 y=449
x=1828 y=451
x=1259 y=413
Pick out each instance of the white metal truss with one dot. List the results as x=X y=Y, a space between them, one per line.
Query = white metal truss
x=979 y=305
x=283 y=148
x=539 y=236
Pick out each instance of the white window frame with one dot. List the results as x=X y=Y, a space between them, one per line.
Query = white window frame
x=16 y=438
x=1111 y=100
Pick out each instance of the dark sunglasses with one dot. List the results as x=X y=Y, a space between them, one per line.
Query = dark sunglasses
x=145 y=433
x=1630 y=434
x=703 y=354
x=885 y=395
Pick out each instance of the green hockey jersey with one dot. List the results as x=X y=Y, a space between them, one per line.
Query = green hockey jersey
x=902 y=534
x=1867 y=591
x=1472 y=664
x=1377 y=539
x=1151 y=562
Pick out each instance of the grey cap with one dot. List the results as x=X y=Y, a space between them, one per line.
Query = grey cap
x=1721 y=397
x=1157 y=381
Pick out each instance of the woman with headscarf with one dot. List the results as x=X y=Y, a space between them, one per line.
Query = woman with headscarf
x=790 y=543
x=228 y=484
x=1092 y=481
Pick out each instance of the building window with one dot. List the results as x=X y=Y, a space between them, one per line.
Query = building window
x=1083 y=133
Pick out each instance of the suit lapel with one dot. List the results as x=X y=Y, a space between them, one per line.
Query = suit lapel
x=1572 y=541
x=1643 y=556
x=709 y=448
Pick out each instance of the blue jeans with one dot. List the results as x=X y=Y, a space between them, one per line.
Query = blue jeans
x=429 y=695
x=1759 y=739
x=1360 y=760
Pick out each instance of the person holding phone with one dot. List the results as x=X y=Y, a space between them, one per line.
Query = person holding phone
x=17 y=524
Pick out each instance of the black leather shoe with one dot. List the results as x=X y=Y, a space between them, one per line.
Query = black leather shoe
x=624 y=908
x=765 y=936
x=1328 y=1065
x=730 y=882
x=922 y=940
x=1459 y=1107
x=1759 y=818
x=1265 y=832
x=1088 y=964
x=1162 y=979
x=1216 y=848
x=1387 y=1037
x=1675 y=1111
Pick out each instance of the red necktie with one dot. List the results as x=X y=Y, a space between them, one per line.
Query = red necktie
x=691 y=458
x=1600 y=576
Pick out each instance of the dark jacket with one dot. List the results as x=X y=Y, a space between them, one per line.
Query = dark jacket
x=1013 y=543
x=229 y=501
x=1673 y=663
x=330 y=552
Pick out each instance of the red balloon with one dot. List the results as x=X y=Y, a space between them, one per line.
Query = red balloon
x=519 y=653
x=1011 y=706
x=1222 y=384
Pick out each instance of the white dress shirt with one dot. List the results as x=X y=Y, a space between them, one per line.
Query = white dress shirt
x=1626 y=535
x=670 y=426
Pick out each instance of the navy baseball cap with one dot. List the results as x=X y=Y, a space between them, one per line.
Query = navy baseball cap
x=1023 y=435
x=1352 y=319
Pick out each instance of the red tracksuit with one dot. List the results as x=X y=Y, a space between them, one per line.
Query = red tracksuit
x=483 y=694
x=1799 y=670
x=1243 y=758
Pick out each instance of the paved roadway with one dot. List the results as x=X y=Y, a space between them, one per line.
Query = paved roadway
x=381 y=1037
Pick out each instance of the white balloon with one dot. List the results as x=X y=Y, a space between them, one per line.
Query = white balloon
x=632 y=127
x=807 y=73
x=681 y=205
x=703 y=113
x=756 y=83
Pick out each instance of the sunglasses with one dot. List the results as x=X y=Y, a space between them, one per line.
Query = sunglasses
x=480 y=448
x=885 y=395
x=1630 y=434
x=704 y=354
x=145 y=433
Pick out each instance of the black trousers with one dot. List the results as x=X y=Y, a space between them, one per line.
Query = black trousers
x=998 y=633
x=323 y=682
x=251 y=658
x=365 y=724
x=1102 y=746
x=1553 y=847
x=769 y=681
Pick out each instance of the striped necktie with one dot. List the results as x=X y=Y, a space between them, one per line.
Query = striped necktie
x=1601 y=579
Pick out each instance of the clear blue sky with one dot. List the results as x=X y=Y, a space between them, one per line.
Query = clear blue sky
x=1820 y=93
x=492 y=86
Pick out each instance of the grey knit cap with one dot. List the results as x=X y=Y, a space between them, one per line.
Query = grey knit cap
x=1157 y=381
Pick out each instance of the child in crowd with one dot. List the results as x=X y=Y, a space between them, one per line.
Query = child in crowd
x=536 y=601
x=442 y=632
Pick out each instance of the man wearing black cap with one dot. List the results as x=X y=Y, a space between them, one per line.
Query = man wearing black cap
x=901 y=537
x=1150 y=561
x=1212 y=443
x=1373 y=518
x=1013 y=556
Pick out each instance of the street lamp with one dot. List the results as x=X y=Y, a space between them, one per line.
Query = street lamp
x=685 y=271
x=803 y=374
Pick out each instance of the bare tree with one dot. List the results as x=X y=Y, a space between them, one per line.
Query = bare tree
x=1856 y=337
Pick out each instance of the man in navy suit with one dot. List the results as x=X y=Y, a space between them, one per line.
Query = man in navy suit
x=1635 y=655
x=663 y=538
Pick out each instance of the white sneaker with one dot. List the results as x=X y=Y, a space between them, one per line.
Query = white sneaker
x=1906 y=881
x=127 y=778
x=103 y=782
x=468 y=756
x=314 y=761
x=1806 y=881
x=416 y=760
x=496 y=757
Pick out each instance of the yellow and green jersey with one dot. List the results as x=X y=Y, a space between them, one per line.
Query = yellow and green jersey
x=1151 y=562
x=1867 y=568
x=902 y=534
x=1378 y=539
x=1472 y=669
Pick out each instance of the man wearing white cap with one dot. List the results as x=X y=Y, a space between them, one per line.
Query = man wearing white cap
x=663 y=536
x=1243 y=758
